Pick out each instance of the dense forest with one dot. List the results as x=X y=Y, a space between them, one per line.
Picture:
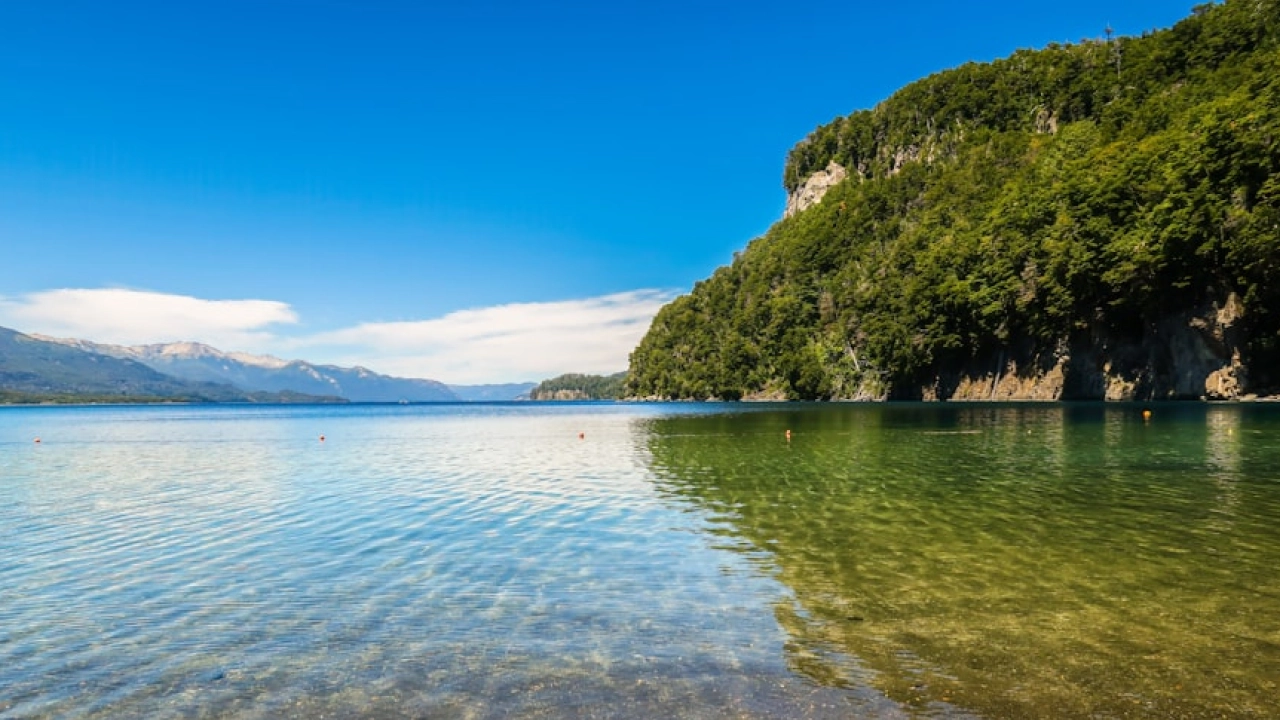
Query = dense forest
x=1081 y=201
x=574 y=386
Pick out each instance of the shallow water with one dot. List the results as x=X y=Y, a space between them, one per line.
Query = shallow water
x=679 y=560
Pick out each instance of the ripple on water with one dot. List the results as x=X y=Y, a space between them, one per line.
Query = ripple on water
x=486 y=562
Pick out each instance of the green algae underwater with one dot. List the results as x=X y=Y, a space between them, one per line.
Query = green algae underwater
x=1013 y=560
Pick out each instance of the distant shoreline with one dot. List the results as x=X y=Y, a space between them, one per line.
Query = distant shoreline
x=1249 y=400
x=91 y=401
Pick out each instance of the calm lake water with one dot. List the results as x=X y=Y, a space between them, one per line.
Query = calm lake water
x=678 y=560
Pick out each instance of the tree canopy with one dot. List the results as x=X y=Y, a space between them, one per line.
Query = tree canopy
x=1073 y=189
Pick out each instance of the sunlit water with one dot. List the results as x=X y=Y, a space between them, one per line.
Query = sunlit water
x=676 y=560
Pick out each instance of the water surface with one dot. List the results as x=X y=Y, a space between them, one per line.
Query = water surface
x=486 y=561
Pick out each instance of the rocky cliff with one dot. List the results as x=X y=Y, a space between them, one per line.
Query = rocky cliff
x=1192 y=355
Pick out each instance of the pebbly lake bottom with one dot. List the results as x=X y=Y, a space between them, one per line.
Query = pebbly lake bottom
x=678 y=560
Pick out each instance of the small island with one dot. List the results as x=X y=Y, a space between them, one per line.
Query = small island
x=574 y=386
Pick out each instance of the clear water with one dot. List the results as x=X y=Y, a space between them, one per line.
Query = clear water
x=678 y=560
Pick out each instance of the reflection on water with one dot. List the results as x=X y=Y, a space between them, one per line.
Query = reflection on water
x=680 y=560
x=1016 y=561
x=422 y=561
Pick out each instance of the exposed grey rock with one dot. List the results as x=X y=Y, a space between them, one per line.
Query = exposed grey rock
x=814 y=188
x=1185 y=356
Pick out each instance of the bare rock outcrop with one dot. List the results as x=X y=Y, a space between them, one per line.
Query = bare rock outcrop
x=814 y=188
x=1186 y=356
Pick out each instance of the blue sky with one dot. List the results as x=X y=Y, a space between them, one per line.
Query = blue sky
x=484 y=191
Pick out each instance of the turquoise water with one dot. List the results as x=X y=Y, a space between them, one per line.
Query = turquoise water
x=676 y=560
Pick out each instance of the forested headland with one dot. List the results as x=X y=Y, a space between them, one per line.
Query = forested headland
x=577 y=386
x=1089 y=220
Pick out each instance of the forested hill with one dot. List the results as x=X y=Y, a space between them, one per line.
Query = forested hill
x=575 y=386
x=1091 y=220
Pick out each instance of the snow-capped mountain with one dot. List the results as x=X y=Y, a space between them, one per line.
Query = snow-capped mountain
x=196 y=361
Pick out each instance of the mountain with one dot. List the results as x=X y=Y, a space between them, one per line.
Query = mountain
x=574 y=386
x=501 y=392
x=32 y=369
x=1087 y=221
x=197 y=362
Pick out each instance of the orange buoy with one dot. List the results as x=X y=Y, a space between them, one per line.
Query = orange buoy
x=1146 y=416
x=582 y=436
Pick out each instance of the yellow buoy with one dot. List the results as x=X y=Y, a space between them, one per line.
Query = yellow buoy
x=1146 y=415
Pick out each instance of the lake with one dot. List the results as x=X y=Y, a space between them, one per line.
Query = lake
x=640 y=560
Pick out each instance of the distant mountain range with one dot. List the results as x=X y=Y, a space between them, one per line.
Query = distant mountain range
x=35 y=370
x=501 y=392
x=196 y=362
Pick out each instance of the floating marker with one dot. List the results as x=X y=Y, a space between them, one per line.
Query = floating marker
x=1146 y=416
x=582 y=436
x=788 y=436
x=37 y=441
x=321 y=438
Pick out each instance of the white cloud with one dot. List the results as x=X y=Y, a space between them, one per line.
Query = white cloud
x=504 y=343
x=522 y=341
x=136 y=317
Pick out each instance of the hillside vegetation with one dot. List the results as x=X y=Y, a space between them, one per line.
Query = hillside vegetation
x=574 y=386
x=1075 y=207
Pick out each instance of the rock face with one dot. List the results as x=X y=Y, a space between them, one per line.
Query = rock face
x=814 y=187
x=1184 y=356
